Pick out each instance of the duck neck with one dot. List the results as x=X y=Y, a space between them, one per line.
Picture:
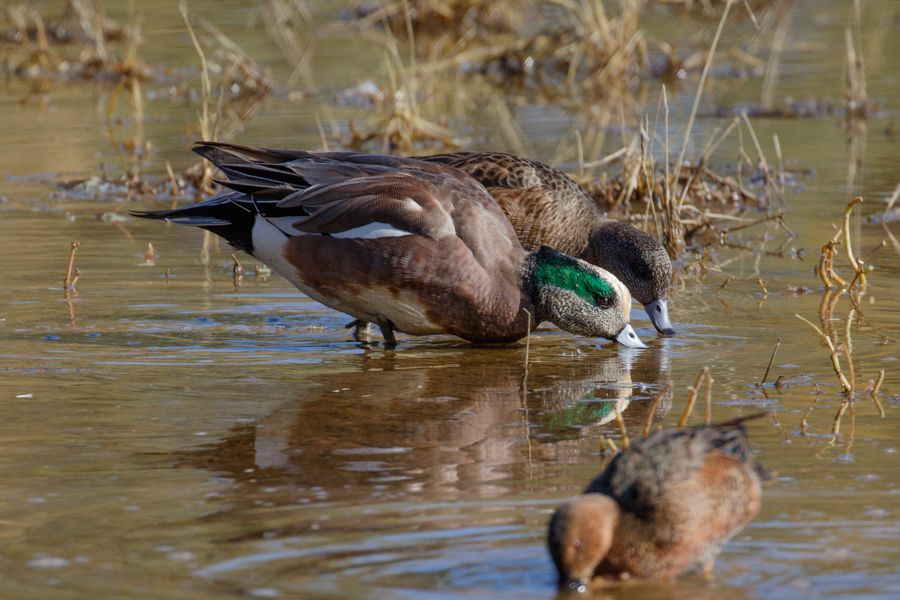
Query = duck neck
x=531 y=298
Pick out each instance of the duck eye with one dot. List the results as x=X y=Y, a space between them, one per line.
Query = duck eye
x=604 y=301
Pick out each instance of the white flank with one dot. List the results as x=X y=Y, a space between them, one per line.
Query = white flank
x=405 y=311
x=268 y=247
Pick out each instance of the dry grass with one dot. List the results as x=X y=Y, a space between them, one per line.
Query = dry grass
x=857 y=101
x=693 y=204
x=446 y=28
x=397 y=123
x=826 y=270
x=602 y=55
x=290 y=23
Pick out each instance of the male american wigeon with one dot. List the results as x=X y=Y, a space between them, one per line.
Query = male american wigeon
x=412 y=246
x=548 y=208
x=664 y=507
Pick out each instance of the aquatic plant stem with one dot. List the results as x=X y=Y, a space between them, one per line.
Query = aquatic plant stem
x=690 y=123
x=653 y=406
x=771 y=360
x=621 y=423
x=834 y=356
x=693 y=397
x=68 y=280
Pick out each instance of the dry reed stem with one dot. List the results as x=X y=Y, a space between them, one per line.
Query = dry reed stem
x=206 y=130
x=887 y=212
x=771 y=360
x=693 y=397
x=709 y=382
x=527 y=351
x=878 y=382
x=857 y=97
x=292 y=26
x=690 y=123
x=836 y=426
x=237 y=269
x=68 y=279
x=653 y=407
x=876 y=385
x=847 y=349
x=612 y=445
x=725 y=283
x=527 y=340
x=174 y=181
x=805 y=416
x=834 y=357
x=622 y=429
x=780 y=161
x=763 y=165
x=848 y=247
x=773 y=68
x=725 y=183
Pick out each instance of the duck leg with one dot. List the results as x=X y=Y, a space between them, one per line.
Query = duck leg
x=362 y=330
x=387 y=331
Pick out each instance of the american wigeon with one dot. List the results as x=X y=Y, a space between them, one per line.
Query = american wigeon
x=663 y=507
x=415 y=247
x=548 y=208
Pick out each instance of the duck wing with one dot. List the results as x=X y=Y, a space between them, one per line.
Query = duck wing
x=646 y=474
x=544 y=205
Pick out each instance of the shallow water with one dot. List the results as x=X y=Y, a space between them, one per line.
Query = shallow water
x=168 y=433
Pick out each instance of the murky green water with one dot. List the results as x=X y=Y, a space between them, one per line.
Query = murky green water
x=187 y=437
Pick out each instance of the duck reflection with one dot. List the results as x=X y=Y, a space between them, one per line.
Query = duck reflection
x=410 y=422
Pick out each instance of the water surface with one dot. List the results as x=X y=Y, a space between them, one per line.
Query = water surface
x=168 y=433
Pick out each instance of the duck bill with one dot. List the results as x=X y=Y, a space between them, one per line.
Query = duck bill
x=658 y=311
x=571 y=584
x=627 y=337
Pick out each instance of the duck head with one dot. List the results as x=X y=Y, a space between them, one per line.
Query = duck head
x=580 y=535
x=641 y=262
x=579 y=297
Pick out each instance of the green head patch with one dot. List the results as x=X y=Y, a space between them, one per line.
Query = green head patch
x=562 y=272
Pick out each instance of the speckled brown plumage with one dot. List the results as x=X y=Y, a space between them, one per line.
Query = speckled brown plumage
x=664 y=507
x=548 y=208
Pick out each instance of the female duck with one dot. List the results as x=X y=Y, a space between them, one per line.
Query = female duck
x=664 y=507
x=414 y=247
x=547 y=208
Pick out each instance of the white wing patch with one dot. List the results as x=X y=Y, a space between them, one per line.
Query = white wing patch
x=371 y=231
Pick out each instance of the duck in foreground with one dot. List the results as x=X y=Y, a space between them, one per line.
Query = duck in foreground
x=664 y=507
x=548 y=208
x=411 y=246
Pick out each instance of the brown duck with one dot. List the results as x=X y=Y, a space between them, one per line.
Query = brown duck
x=664 y=507
x=548 y=208
x=412 y=246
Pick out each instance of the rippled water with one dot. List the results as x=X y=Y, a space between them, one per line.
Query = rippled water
x=183 y=436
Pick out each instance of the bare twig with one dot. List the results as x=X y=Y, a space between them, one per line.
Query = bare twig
x=771 y=360
x=834 y=357
x=653 y=407
x=693 y=397
x=68 y=280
